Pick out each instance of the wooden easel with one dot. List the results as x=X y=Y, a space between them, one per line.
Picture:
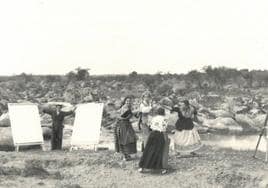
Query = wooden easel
x=17 y=146
x=266 y=139
x=263 y=131
x=94 y=146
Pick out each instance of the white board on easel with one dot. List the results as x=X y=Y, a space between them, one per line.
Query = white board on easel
x=25 y=124
x=87 y=125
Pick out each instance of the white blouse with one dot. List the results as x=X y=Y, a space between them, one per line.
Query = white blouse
x=158 y=123
x=145 y=108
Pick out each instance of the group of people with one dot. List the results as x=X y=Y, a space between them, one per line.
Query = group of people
x=154 y=140
x=152 y=123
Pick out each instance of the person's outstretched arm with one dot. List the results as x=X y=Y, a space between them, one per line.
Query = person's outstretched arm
x=69 y=112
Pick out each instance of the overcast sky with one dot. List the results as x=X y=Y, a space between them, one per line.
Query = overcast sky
x=120 y=36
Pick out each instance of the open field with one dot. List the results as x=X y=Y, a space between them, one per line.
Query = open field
x=214 y=167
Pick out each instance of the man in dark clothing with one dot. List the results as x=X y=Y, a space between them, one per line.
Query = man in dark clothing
x=57 y=116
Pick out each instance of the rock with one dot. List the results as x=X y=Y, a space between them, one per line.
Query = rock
x=47 y=132
x=67 y=131
x=180 y=85
x=46 y=119
x=223 y=123
x=200 y=128
x=245 y=121
x=204 y=112
x=254 y=111
x=222 y=113
x=4 y=120
x=240 y=109
x=69 y=120
x=6 y=136
x=259 y=120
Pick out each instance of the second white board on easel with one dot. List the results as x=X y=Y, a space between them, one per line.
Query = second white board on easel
x=87 y=124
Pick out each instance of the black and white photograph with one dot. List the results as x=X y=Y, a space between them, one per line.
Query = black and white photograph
x=134 y=94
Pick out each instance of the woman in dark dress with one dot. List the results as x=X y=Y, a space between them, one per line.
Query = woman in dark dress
x=152 y=156
x=125 y=137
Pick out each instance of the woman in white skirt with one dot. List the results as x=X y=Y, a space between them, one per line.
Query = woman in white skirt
x=186 y=138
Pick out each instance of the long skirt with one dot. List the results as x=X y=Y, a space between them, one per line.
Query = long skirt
x=145 y=133
x=187 y=140
x=166 y=151
x=152 y=157
x=125 y=137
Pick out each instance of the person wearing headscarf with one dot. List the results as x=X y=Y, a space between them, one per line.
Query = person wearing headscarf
x=186 y=138
x=145 y=109
x=125 y=137
x=57 y=116
x=152 y=156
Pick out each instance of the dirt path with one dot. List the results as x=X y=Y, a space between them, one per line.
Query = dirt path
x=213 y=168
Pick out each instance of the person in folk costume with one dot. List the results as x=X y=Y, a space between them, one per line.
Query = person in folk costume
x=145 y=109
x=186 y=138
x=152 y=156
x=57 y=116
x=125 y=137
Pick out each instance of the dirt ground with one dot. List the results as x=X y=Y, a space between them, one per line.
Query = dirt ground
x=214 y=167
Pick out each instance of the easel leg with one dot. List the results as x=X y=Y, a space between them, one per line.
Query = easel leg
x=43 y=147
x=266 y=157
x=71 y=148
x=17 y=148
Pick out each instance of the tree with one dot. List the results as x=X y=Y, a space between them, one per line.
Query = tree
x=82 y=74
x=164 y=89
x=195 y=77
x=79 y=74
x=71 y=76
x=133 y=76
x=217 y=75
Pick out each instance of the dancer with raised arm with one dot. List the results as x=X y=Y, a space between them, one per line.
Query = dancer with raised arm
x=186 y=138
x=125 y=137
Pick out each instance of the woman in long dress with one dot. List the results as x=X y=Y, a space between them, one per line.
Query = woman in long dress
x=152 y=156
x=125 y=137
x=145 y=109
x=186 y=138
